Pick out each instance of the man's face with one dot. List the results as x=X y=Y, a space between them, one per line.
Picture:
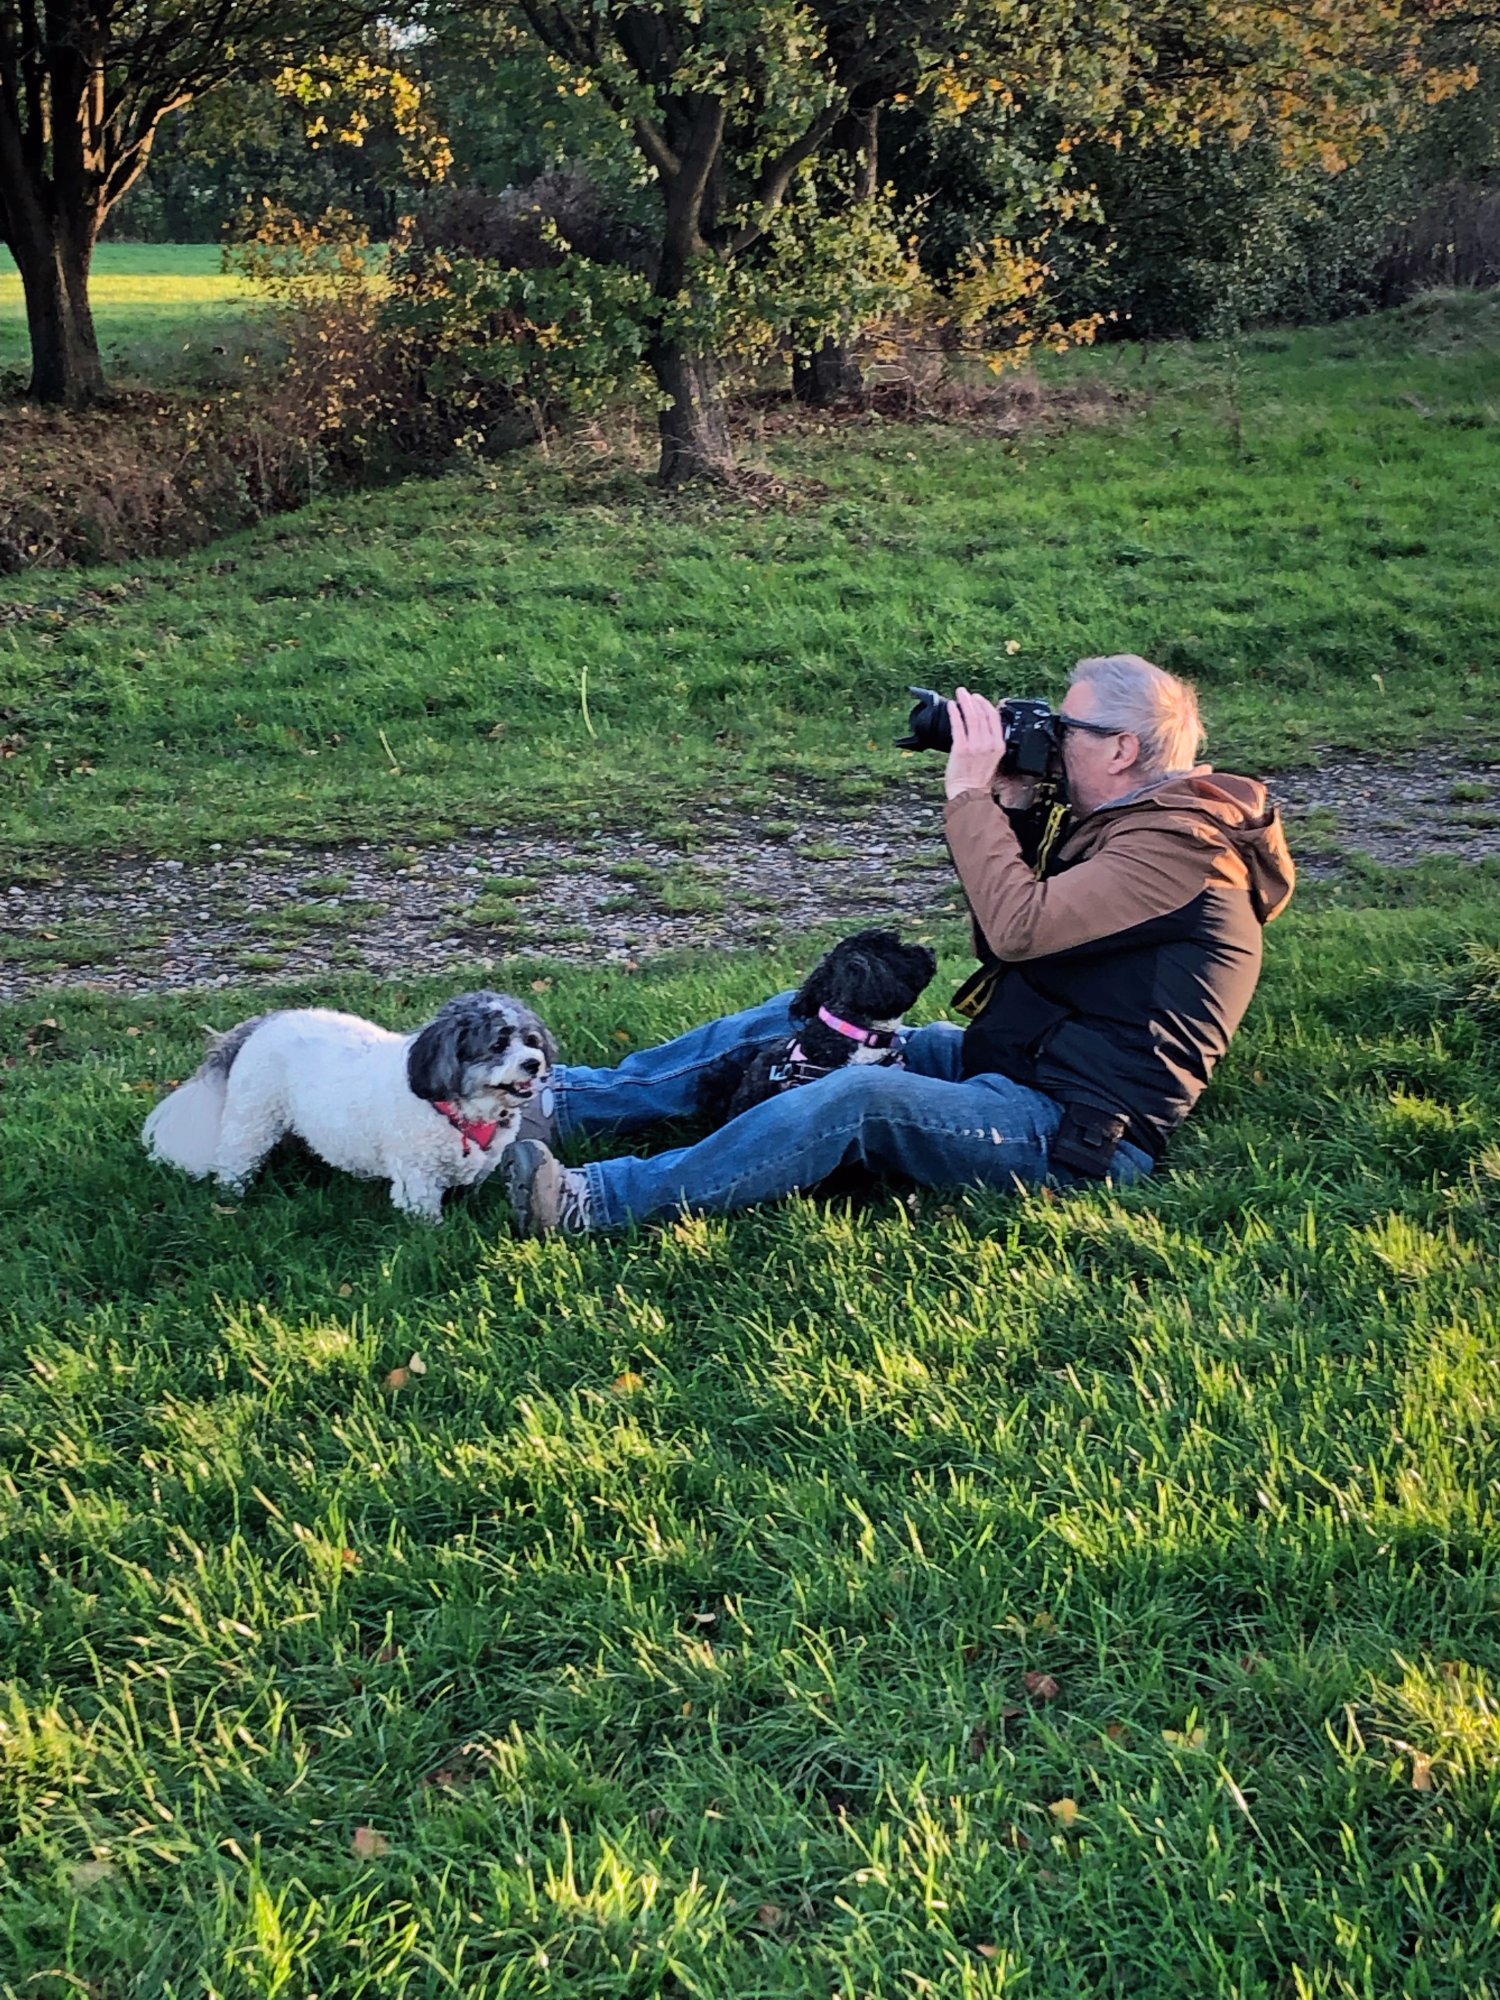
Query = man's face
x=1099 y=767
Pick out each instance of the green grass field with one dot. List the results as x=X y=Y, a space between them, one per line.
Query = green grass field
x=670 y=1634
x=160 y=309
x=975 y=1597
x=1300 y=532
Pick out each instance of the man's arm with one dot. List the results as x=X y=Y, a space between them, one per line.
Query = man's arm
x=1142 y=870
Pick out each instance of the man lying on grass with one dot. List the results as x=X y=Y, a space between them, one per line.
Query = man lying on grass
x=1116 y=961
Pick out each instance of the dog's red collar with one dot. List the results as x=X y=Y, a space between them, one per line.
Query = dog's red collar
x=870 y=1038
x=483 y=1135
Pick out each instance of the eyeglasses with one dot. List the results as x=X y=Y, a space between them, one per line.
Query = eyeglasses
x=1089 y=728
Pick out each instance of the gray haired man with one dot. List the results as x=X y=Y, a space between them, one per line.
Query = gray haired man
x=1117 y=955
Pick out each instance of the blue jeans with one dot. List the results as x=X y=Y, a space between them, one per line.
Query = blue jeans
x=926 y=1122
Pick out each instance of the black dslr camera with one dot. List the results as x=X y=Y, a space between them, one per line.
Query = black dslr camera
x=1033 y=733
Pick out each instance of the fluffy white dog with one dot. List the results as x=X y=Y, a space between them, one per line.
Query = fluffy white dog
x=427 y=1112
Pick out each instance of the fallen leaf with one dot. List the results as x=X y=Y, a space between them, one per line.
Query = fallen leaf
x=628 y=1383
x=89 y=1874
x=979 y=1742
x=1042 y=1687
x=624 y=1036
x=1044 y=1622
x=370 y=1845
x=1064 y=1811
x=988 y=1950
x=346 y=1291
x=1118 y=1733
x=398 y=1378
x=1421 y=1771
x=417 y=1365
x=350 y=1559
x=541 y=985
x=223 y=1208
x=1186 y=1739
x=770 y=1916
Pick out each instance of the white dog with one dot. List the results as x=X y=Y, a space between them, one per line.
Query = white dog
x=427 y=1112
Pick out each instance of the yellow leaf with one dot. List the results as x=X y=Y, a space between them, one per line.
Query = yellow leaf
x=346 y=1291
x=417 y=1365
x=1421 y=1771
x=398 y=1378
x=1186 y=1739
x=1064 y=1811
x=370 y=1845
x=628 y=1383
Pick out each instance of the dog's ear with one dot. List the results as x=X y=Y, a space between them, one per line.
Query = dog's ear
x=921 y=962
x=523 y=1021
x=434 y=1062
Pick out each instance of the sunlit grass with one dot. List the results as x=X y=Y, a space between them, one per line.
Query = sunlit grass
x=160 y=310
x=671 y=1633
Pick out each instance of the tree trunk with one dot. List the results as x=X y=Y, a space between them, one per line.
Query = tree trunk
x=828 y=375
x=694 y=426
x=54 y=260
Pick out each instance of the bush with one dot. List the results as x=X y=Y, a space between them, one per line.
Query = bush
x=148 y=475
x=528 y=228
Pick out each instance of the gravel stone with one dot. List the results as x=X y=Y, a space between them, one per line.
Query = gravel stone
x=168 y=927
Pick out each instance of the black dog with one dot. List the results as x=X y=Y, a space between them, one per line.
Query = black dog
x=848 y=1009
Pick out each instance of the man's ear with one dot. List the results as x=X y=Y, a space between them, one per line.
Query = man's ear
x=1126 y=753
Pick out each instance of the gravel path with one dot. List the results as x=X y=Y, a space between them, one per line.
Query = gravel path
x=130 y=926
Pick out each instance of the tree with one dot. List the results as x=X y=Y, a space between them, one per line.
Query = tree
x=727 y=105
x=84 y=87
x=733 y=104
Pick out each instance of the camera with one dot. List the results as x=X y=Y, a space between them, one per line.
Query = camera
x=1033 y=733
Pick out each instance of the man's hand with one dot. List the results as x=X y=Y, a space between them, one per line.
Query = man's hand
x=978 y=744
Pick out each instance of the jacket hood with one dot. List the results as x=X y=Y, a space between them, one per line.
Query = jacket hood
x=1252 y=825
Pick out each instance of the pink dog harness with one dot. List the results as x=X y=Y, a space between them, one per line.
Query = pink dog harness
x=795 y=1067
x=483 y=1135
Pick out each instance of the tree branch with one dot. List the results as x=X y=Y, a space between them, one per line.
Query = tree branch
x=776 y=178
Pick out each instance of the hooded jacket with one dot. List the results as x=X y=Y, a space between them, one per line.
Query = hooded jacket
x=1114 y=978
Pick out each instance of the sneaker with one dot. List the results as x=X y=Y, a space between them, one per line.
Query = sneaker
x=538 y=1118
x=546 y=1196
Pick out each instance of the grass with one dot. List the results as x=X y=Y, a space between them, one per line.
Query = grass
x=988 y=1597
x=1295 y=530
x=160 y=310
x=1055 y=1599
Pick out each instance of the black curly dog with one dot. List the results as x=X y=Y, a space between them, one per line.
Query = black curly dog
x=848 y=1009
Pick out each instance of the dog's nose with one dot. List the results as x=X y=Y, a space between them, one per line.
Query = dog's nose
x=531 y=1066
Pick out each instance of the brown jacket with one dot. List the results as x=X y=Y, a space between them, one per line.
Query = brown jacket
x=1122 y=970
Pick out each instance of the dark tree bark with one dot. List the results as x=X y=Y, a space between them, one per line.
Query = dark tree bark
x=695 y=442
x=830 y=374
x=53 y=259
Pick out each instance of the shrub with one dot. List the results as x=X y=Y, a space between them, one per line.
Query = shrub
x=539 y=296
